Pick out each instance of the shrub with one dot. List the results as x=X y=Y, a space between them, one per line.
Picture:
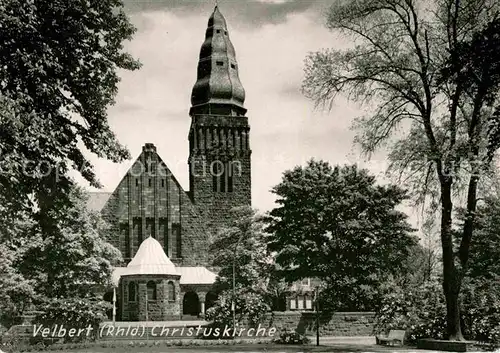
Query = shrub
x=481 y=311
x=74 y=313
x=248 y=304
x=291 y=337
x=13 y=343
x=422 y=312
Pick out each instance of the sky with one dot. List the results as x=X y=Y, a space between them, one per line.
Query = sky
x=272 y=39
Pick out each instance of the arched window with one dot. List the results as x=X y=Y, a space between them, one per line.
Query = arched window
x=132 y=293
x=171 y=291
x=151 y=286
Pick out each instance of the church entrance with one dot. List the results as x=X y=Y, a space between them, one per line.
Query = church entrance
x=191 y=304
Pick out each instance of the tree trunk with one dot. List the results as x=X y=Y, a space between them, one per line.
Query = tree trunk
x=452 y=291
x=451 y=278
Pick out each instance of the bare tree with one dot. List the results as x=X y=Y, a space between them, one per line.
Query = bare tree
x=430 y=70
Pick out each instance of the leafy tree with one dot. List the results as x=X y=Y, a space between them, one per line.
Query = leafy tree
x=242 y=245
x=484 y=263
x=57 y=78
x=336 y=224
x=68 y=263
x=75 y=258
x=433 y=69
x=15 y=290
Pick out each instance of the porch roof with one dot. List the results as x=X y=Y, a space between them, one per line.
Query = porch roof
x=189 y=275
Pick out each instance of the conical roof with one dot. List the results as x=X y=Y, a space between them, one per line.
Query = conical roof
x=150 y=259
x=217 y=82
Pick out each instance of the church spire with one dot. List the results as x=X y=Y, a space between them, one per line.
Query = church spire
x=218 y=89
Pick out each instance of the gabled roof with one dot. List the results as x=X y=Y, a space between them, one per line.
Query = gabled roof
x=196 y=275
x=97 y=200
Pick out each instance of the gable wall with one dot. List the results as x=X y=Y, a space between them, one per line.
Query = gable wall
x=150 y=201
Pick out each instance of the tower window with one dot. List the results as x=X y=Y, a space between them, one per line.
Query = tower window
x=225 y=32
x=218 y=31
x=233 y=66
x=149 y=182
x=220 y=63
x=217 y=172
x=136 y=181
x=229 y=177
x=163 y=183
x=222 y=177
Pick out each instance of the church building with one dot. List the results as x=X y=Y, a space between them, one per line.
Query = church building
x=162 y=230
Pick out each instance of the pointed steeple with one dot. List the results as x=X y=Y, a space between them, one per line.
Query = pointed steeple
x=218 y=89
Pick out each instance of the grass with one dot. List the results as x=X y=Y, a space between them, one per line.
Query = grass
x=192 y=346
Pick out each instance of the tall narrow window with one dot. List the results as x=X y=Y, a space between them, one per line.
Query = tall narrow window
x=230 y=177
x=124 y=230
x=149 y=182
x=150 y=227
x=151 y=286
x=223 y=178
x=171 y=291
x=176 y=240
x=163 y=233
x=137 y=230
x=136 y=181
x=132 y=293
x=216 y=173
x=163 y=183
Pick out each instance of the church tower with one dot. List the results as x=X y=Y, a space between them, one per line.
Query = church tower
x=219 y=149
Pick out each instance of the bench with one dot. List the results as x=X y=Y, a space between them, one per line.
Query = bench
x=395 y=337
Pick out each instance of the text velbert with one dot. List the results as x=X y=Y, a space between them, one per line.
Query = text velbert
x=108 y=330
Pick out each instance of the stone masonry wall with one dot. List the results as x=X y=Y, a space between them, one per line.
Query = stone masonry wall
x=217 y=140
x=160 y=309
x=150 y=201
x=338 y=324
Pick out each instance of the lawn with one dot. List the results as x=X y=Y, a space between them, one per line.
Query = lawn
x=266 y=347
